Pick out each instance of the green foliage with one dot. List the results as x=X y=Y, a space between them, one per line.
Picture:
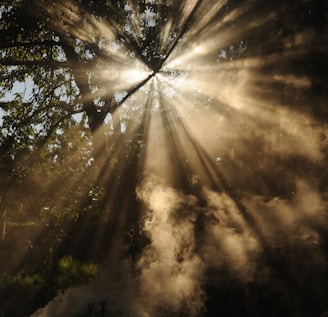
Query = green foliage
x=45 y=188
x=72 y=272
x=65 y=174
x=19 y=291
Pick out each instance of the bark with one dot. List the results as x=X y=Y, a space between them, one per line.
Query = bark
x=95 y=116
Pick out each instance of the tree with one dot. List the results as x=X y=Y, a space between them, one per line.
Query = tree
x=90 y=104
x=67 y=52
x=64 y=53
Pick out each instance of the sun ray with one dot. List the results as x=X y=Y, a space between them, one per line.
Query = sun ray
x=208 y=160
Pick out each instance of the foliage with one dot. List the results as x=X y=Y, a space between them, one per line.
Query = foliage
x=72 y=272
x=73 y=134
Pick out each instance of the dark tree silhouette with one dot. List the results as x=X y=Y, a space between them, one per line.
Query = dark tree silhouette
x=186 y=138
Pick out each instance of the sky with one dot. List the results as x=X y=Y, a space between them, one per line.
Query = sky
x=20 y=88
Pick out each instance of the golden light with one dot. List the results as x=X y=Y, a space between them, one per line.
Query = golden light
x=213 y=123
x=133 y=76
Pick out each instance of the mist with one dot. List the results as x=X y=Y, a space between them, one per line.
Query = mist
x=202 y=189
x=194 y=244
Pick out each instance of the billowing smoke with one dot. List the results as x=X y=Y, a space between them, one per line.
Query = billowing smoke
x=165 y=279
x=195 y=242
x=170 y=270
x=228 y=240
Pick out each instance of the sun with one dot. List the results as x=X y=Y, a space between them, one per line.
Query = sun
x=134 y=75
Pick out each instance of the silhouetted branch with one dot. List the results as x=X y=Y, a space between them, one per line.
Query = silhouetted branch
x=35 y=63
x=183 y=30
x=27 y=44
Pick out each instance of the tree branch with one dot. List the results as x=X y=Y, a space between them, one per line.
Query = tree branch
x=183 y=30
x=130 y=92
x=65 y=106
x=69 y=108
x=27 y=44
x=42 y=141
x=35 y=63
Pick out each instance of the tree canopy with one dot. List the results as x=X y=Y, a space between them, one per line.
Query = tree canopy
x=178 y=148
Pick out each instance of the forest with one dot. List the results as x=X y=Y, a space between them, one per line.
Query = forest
x=163 y=158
